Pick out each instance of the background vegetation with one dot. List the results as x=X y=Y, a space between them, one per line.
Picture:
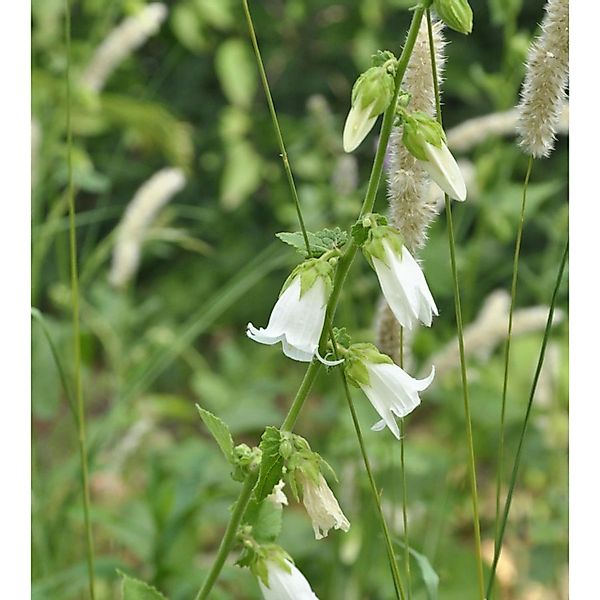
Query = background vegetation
x=190 y=97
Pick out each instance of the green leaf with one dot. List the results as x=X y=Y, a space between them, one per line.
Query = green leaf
x=320 y=242
x=430 y=578
x=219 y=431
x=134 y=589
x=265 y=518
x=271 y=466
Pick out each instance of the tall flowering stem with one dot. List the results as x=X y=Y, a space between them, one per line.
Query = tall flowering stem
x=461 y=344
x=79 y=404
x=344 y=264
x=513 y=294
x=517 y=462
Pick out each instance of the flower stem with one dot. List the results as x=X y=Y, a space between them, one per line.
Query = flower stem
x=513 y=294
x=515 y=469
x=229 y=535
x=79 y=404
x=275 y=120
x=374 y=492
x=404 y=489
x=460 y=335
x=346 y=259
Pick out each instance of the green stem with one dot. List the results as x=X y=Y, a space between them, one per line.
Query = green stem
x=374 y=492
x=278 y=134
x=461 y=343
x=81 y=433
x=229 y=535
x=513 y=295
x=347 y=258
x=303 y=391
x=404 y=488
x=536 y=377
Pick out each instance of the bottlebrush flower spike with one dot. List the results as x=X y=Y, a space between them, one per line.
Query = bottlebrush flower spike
x=390 y=389
x=400 y=277
x=547 y=75
x=426 y=141
x=371 y=95
x=298 y=315
x=285 y=582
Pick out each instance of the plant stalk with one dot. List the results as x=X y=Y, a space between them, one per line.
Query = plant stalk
x=536 y=377
x=80 y=408
x=513 y=295
x=460 y=335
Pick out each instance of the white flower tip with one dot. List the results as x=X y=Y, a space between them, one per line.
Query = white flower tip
x=357 y=126
x=445 y=172
x=328 y=363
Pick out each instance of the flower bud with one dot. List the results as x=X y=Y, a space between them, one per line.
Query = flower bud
x=457 y=14
x=419 y=131
x=371 y=95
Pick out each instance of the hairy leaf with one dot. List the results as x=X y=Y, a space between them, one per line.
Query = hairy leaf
x=219 y=431
x=271 y=465
x=320 y=241
x=134 y=589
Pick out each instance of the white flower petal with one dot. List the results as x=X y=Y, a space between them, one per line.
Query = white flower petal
x=357 y=126
x=379 y=426
x=444 y=171
x=284 y=585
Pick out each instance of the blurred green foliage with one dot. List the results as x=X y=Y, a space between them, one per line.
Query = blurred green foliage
x=190 y=97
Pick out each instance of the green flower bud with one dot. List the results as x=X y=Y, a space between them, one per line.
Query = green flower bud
x=457 y=14
x=371 y=95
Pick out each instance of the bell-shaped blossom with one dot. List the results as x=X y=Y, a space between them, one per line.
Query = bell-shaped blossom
x=425 y=139
x=298 y=315
x=321 y=505
x=285 y=582
x=371 y=95
x=391 y=390
x=400 y=277
x=444 y=171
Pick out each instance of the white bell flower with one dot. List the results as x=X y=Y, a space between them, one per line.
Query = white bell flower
x=400 y=277
x=321 y=505
x=298 y=315
x=390 y=389
x=425 y=139
x=285 y=582
x=444 y=171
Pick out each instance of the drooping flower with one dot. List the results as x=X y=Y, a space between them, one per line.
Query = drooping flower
x=371 y=95
x=426 y=141
x=298 y=315
x=285 y=582
x=400 y=277
x=277 y=496
x=321 y=505
x=390 y=389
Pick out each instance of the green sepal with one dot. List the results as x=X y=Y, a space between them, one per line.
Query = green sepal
x=419 y=130
x=342 y=337
x=360 y=229
x=271 y=465
x=374 y=90
x=374 y=246
x=309 y=271
x=382 y=57
x=357 y=358
x=457 y=14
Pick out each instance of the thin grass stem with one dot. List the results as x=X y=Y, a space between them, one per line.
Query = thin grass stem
x=513 y=295
x=461 y=343
x=275 y=120
x=404 y=487
x=80 y=408
x=517 y=462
